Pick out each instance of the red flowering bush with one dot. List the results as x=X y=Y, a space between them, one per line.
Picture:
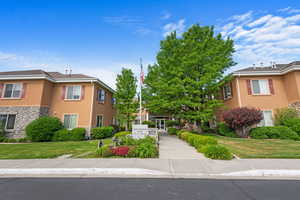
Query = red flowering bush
x=241 y=119
x=121 y=151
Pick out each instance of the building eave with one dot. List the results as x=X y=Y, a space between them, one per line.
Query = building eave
x=267 y=73
x=57 y=80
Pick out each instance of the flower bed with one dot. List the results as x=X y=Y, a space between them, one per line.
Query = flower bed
x=126 y=146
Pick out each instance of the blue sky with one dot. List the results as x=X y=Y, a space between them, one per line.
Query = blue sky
x=100 y=37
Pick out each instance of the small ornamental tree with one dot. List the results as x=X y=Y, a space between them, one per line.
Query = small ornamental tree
x=241 y=119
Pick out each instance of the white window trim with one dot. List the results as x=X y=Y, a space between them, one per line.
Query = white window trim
x=252 y=91
x=77 y=118
x=264 y=118
x=101 y=120
x=7 y=121
x=99 y=100
x=4 y=88
x=66 y=93
x=224 y=91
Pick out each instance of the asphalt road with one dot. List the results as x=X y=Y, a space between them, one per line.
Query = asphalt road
x=144 y=189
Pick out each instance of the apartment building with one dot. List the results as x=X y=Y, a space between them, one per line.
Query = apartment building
x=267 y=88
x=77 y=99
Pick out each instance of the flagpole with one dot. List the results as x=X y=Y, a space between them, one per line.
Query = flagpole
x=141 y=91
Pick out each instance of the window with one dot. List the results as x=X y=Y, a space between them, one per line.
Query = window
x=113 y=101
x=73 y=92
x=101 y=95
x=227 y=92
x=267 y=118
x=70 y=121
x=13 y=90
x=260 y=87
x=8 y=121
x=99 y=120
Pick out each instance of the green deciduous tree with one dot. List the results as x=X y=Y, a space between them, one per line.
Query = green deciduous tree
x=125 y=97
x=188 y=74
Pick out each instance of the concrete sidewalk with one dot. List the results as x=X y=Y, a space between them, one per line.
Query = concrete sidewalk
x=170 y=147
x=166 y=168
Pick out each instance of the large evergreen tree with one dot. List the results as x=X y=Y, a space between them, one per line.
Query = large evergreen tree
x=188 y=74
x=126 y=104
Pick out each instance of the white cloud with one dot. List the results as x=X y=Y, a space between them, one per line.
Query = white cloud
x=179 y=27
x=289 y=10
x=7 y=57
x=123 y=20
x=106 y=72
x=166 y=15
x=264 y=38
x=241 y=18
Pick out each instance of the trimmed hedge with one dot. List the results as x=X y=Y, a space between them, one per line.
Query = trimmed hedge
x=102 y=132
x=216 y=152
x=201 y=142
x=43 y=129
x=75 y=134
x=273 y=132
x=225 y=130
x=172 y=131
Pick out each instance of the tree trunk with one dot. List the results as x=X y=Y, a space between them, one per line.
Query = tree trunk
x=243 y=132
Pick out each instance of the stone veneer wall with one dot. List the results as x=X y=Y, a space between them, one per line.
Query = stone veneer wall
x=24 y=115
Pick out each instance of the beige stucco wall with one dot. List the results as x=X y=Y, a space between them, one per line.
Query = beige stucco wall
x=34 y=89
x=81 y=107
x=264 y=102
x=292 y=87
x=106 y=109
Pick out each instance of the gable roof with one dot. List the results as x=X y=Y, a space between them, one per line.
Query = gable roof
x=56 y=77
x=276 y=69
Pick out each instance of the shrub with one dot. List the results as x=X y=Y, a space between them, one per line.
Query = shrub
x=284 y=114
x=61 y=135
x=2 y=130
x=184 y=135
x=131 y=152
x=77 y=134
x=23 y=140
x=172 y=131
x=43 y=129
x=150 y=124
x=147 y=139
x=225 y=130
x=128 y=141
x=120 y=151
x=102 y=132
x=2 y=138
x=146 y=150
x=104 y=151
x=273 y=132
x=171 y=123
x=204 y=140
x=121 y=134
x=216 y=152
x=241 y=119
x=293 y=123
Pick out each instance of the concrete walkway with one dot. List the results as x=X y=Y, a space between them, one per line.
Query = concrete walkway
x=170 y=147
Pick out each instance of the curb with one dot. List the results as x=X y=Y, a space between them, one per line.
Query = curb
x=81 y=171
x=263 y=172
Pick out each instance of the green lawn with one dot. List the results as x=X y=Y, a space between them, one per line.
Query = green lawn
x=258 y=148
x=49 y=149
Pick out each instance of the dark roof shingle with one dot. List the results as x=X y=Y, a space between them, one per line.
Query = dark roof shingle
x=277 y=67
